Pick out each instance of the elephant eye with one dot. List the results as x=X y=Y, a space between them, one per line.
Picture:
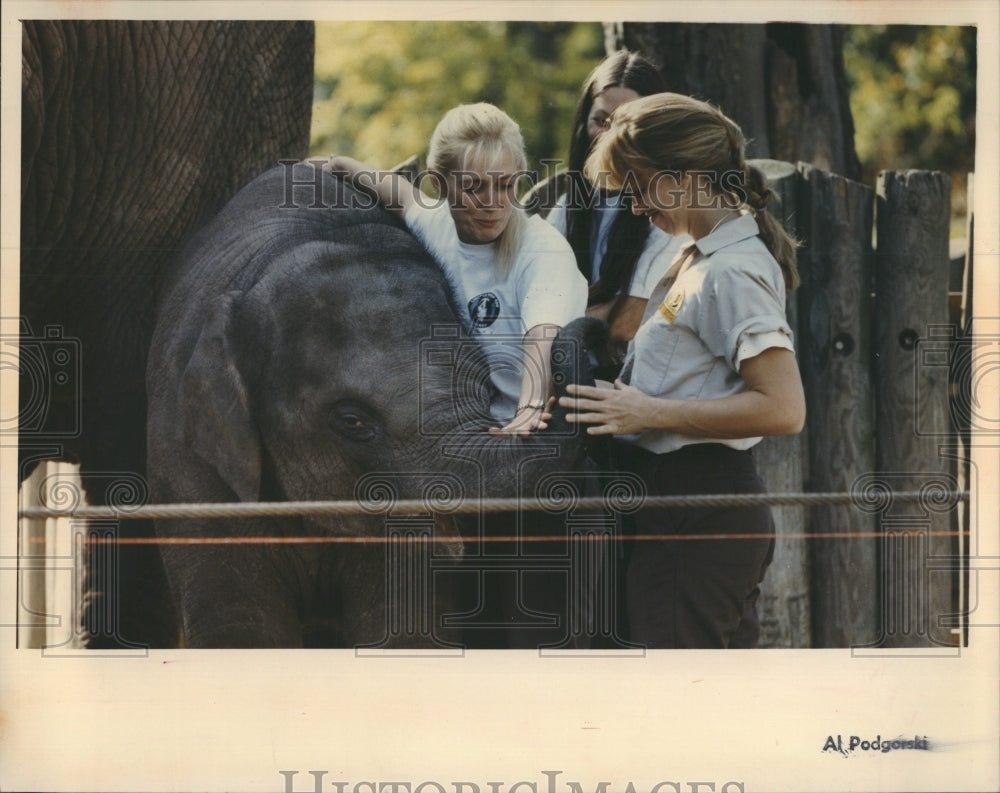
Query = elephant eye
x=353 y=422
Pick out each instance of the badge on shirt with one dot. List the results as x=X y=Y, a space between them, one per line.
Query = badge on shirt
x=672 y=304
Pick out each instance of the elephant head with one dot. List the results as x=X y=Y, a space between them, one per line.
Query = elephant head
x=307 y=349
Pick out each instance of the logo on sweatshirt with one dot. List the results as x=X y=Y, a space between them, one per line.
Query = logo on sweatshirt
x=484 y=310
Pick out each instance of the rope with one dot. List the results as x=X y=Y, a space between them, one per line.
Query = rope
x=576 y=536
x=937 y=500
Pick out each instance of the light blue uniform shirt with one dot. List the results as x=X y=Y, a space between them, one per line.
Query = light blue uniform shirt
x=721 y=302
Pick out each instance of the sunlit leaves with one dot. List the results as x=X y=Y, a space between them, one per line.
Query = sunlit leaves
x=382 y=86
x=912 y=96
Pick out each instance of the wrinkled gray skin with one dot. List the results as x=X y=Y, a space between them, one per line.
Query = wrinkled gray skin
x=134 y=134
x=286 y=365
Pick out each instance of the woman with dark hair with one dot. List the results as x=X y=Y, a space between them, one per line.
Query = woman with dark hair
x=620 y=254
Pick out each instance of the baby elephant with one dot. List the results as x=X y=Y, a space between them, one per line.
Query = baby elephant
x=308 y=349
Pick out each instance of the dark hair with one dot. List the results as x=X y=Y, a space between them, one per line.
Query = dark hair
x=677 y=134
x=628 y=234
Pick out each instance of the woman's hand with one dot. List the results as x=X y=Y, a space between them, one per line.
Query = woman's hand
x=389 y=188
x=534 y=409
x=621 y=410
x=528 y=419
x=773 y=404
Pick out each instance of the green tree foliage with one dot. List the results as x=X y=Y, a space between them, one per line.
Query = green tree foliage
x=382 y=86
x=913 y=97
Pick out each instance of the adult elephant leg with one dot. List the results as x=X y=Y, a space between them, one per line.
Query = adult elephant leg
x=133 y=134
x=126 y=600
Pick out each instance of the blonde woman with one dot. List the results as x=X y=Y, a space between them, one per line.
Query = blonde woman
x=515 y=274
x=711 y=372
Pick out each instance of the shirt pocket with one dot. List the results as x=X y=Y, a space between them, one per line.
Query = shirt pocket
x=655 y=344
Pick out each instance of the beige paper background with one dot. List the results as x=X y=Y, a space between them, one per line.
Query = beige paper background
x=754 y=721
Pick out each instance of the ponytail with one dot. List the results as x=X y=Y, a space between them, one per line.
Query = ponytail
x=779 y=242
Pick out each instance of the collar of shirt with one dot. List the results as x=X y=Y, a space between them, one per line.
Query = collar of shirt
x=741 y=228
x=732 y=231
x=480 y=253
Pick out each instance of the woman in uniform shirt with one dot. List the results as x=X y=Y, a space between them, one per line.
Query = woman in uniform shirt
x=712 y=371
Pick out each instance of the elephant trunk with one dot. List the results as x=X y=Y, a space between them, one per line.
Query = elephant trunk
x=576 y=352
x=505 y=466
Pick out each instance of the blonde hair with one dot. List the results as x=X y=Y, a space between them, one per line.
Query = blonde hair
x=478 y=137
x=673 y=132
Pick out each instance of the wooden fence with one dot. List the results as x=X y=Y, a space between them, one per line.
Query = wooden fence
x=875 y=345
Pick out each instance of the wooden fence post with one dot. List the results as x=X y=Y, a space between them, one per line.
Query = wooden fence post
x=961 y=377
x=784 y=599
x=912 y=346
x=835 y=222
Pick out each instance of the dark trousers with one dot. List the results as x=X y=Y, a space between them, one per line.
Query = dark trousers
x=681 y=591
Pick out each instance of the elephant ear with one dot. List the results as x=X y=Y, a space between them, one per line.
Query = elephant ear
x=215 y=417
